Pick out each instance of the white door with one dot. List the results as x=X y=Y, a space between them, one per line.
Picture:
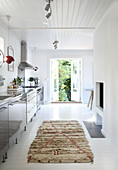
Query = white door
x=54 y=81
x=76 y=80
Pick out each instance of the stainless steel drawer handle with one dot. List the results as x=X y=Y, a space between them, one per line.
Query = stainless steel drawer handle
x=3 y=108
x=11 y=104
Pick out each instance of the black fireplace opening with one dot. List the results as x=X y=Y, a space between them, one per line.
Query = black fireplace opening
x=101 y=95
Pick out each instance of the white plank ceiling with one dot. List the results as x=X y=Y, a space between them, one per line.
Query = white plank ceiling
x=72 y=22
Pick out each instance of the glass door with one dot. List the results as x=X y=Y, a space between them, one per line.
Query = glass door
x=65 y=80
x=76 y=80
x=54 y=81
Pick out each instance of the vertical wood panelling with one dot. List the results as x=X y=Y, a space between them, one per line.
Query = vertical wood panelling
x=73 y=11
x=78 y=7
x=65 y=13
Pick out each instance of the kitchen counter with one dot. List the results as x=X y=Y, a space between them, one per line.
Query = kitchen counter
x=6 y=97
x=17 y=110
x=15 y=95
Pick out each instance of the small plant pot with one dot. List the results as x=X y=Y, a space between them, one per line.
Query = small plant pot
x=31 y=83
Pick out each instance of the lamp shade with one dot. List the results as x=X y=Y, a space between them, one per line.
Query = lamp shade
x=35 y=68
x=9 y=59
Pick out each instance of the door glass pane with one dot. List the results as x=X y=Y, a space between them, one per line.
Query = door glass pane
x=76 y=80
x=75 y=68
x=55 y=80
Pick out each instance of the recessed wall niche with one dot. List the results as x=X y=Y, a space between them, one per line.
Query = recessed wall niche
x=100 y=95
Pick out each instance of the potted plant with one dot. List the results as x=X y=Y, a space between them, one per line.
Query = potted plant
x=19 y=81
x=31 y=79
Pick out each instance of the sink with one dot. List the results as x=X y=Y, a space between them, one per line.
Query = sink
x=4 y=97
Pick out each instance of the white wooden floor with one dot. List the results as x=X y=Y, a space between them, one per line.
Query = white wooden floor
x=105 y=156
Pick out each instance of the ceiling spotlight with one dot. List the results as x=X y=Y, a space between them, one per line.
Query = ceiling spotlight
x=48 y=15
x=47 y=7
x=55 y=42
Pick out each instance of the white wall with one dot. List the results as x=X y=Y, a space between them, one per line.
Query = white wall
x=106 y=69
x=15 y=42
x=41 y=58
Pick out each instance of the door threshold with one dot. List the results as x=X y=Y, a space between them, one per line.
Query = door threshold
x=65 y=102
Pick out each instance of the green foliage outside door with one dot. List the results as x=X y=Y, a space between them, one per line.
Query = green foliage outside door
x=64 y=80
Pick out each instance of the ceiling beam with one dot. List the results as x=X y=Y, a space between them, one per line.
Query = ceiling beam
x=51 y=28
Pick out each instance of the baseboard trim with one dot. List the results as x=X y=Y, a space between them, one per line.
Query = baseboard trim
x=65 y=102
x=107 y=136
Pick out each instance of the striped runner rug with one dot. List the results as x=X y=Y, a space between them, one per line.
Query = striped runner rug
x=60 y=142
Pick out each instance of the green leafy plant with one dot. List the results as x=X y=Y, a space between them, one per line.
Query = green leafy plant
x=31 y=79
x=64 y=80
x=67 y=88
x=19 y=80
x=62 y=95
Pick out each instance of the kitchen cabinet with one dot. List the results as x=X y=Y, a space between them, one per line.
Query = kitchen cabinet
x=14 y=116
x=39 y=97
x=31 y=105
x=17 y=119
x=4 y=130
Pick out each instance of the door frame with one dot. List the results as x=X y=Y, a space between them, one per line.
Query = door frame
x=76 y=96
x=50 y=75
